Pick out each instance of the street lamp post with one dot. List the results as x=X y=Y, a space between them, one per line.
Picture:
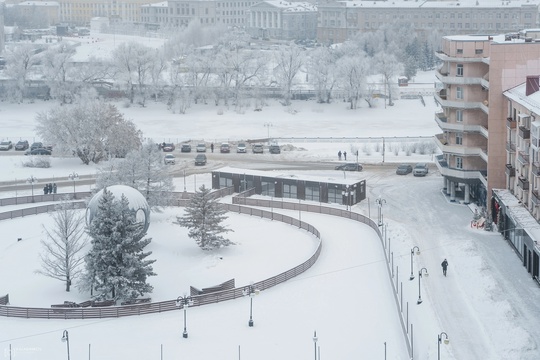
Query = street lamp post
x=439 y=339
x=65 y=338
x=267 y=126
x=184 y=302
x=315 y=338
x=419 y=288
x=380 y=201
x=412 y=253
x=250 y=291
x=32 y=180
x=73 y=177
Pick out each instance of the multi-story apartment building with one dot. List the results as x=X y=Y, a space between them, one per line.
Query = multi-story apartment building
x=80 y=12
x=475 y=71
x=282 y=20
x=340 y=20
x=208 y=12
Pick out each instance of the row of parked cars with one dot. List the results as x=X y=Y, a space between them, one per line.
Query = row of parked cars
x=36 y=148
x=420 y=169
x=255 y=148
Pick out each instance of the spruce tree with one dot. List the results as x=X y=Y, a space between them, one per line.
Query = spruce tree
x=116 y=266
x=204 y=217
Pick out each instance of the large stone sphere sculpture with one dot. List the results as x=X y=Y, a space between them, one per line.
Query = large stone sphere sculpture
x=136 y=200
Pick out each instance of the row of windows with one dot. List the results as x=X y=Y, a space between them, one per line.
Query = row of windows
x=451 y=14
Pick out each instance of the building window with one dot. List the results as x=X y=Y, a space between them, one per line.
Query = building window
x=459 y=70
x=459 y=139
x=459 y=115
x=289 y=191
x=479 y=51
x=459 y=51
x=459 y=93
x=459 y=163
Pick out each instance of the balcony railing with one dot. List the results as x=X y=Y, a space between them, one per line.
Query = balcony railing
x=523 y=183
x=510 y=170
x=523 y=157
x=510 y=147
x=511 y=123
x=535 y=198
x=535 y=168
x=524 y=132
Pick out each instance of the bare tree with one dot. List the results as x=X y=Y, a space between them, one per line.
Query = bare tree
x=21 y=60
x=62 y=257
x=389 y=67
x=132 y=61
x=288 y=62
x=58 y=69
x=323 y=72
x=353 y=70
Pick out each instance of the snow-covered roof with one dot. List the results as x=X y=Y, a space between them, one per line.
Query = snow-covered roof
x=162 y=4
x=531 y=102
x=292 y=6
x=38 y=3
x=278 y=175
x=441 y=4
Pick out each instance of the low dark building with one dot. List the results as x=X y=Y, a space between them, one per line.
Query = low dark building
x=311 y=188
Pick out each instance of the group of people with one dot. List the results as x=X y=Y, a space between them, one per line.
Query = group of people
x=49 y=189
x=344 y=155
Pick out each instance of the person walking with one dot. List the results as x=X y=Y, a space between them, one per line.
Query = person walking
x=212 y=147
x=339 y=154
x=444 y=265
x=345 y=155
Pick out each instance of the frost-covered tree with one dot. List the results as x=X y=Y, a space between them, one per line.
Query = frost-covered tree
x=117 y=266
x=353 y=71
x=389 y=67
x=133 y=62
x=58 y=69
x=203 y=217
x=322 y=72
x=90 y=128
x=21 y=62
x=142 y=169
x=62 y=258
x=289 y=60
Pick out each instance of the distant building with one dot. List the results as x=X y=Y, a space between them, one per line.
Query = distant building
x=2 y=35
x=340 y=20
x=282 y=20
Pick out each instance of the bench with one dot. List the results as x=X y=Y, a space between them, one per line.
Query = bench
x=136 y=301
x=229 y=284
x=103 y=303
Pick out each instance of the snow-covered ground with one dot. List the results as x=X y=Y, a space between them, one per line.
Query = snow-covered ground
x=487 y=305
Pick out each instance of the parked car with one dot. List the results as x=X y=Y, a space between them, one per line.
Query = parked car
x=22 y=145
x=201 y=147
x=40 y=151
x=36 y=145
x=168 y=147
x=349 y=167
x=185 y=148
x=169 y=159
x=274 y=149
x=404 y=169
x=200 y=159
x=420 y=169
x=258 y=149
x=241 y=148
x=225 y=148
x=6 y=145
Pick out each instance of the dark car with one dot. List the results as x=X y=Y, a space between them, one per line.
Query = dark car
x=404 y=169
x=168 y=147
x=349 y=167
x=200 y=159
x=22 y=145
x=40 y=151
x=36 y=145
x=185 y=148
x=225 y=148
x=274 y=149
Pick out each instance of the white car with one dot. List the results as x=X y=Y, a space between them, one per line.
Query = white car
x=201 y=147
x=241 y=148
x=169 y=159
x=6 y=145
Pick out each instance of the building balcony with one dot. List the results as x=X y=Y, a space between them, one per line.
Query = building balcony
x=459 y=127
x=523 y=157
x=510 y=147
x=535 y=198
x=445 y=78
x=461 y=150
x=524 y=132
x=535 y=168
x=445 y=57
x=510 y=170
x=462 y=174
x=459 y=104
x=510 y=123
x=523 y=183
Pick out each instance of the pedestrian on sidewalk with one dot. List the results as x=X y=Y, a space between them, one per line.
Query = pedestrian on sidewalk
x=339 y=154
x=444 y=265
x=345 y=155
